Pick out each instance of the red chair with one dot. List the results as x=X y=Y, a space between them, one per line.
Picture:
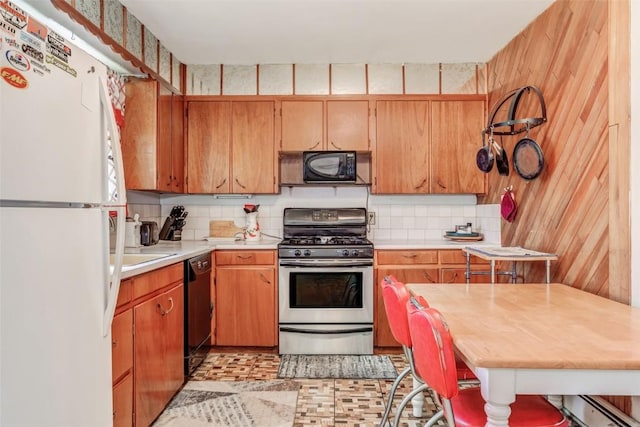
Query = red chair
x=396 y=296
x=434 y=362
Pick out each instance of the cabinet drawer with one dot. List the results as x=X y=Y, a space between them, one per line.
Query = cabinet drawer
x=157 y=279
x=245 y=257
x=407 y=257
x=457 y=257
x=123 y=403
x=121 y=344
x=124 y=295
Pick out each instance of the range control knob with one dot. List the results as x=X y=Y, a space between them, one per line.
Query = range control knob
x=355 y=252
x=307 y=252
x=297 y=252
x=345 y=252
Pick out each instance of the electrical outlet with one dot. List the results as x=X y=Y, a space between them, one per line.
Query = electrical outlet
x=372 y=218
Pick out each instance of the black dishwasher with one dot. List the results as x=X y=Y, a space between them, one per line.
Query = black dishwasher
x=198 y=310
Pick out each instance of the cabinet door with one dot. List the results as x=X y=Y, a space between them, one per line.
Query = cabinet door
x=165 y=166
x=383 y=335
x=455 y=140
x=123 y=403
x=139 y=135
x=159 y=353
x=402 y=148
x=348 y=125
x=177 y=143
x=122 y=344
x=253 y=147
x=208 y=147
x=246 y=306
x=302 y=126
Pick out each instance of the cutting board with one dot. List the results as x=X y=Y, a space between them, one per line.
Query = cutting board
x=223 y=229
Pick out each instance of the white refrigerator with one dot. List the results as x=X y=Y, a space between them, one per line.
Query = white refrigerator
x=57 y=290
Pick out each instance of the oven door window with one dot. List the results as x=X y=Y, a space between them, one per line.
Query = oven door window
x=325 y=290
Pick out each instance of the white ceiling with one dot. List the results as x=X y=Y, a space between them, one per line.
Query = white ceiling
x=334 y=31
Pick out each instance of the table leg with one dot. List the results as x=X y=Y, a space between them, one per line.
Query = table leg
x=513 y=272
x=556 y=400
x=498 y=391
x=548 y=262
x=493 y=271
x=497 y=414
x=467 y=273
x=418 y=401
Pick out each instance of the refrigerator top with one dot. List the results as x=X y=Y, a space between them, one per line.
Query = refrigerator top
x=53 y=144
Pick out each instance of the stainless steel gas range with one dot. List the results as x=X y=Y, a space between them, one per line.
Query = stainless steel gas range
x=325 y=290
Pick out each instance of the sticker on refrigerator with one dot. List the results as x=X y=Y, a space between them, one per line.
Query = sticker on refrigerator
x=13 y=77
x=11 y=42
x=35 y=28
x=33 y=52
x=7 y=28
x=30 y=40
x=62 y=65
x=13 y=14
x=18 y=60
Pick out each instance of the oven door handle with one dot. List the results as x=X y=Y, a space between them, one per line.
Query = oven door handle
x=321 y=263
x=326 y=332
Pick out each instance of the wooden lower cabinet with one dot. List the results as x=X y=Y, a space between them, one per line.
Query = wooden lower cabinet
x=123 y=403
x=246 y=298
x=419 y=266
x=158 y=353
x=147 y=345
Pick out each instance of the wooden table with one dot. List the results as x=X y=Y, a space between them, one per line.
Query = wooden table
x=539 y=339
x=506 y=253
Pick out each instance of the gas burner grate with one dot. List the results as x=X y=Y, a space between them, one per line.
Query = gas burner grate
x=325 y=240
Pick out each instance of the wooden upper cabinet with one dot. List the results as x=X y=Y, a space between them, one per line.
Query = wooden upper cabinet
x=208 y=147
x=455 y=139
x=402 y=147
x=231 y=147
x=152 y=138
x=139 y=134
x=324 y=125
x=348 y=125
x=253 y=147
x=302 y=125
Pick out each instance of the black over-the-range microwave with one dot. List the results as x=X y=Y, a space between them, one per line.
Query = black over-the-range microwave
x=329 y=167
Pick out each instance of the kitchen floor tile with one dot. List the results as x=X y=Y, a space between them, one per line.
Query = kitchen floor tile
x=321 y=402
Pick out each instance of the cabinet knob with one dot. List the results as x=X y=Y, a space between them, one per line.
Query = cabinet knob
x=336 y=146
x=314 y=146
x=424 y=181
x=222 y=183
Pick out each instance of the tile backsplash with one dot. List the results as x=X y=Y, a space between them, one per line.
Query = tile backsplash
x=396 y=217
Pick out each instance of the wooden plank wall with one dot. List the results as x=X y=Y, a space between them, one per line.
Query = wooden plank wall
x=577 y=207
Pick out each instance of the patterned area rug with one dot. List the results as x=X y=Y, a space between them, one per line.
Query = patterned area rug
x=233 y=404
x=336 y=366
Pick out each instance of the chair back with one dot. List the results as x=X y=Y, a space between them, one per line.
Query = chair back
x=396 y=296
x=433 y=352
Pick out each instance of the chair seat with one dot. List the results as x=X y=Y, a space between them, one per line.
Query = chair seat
x=526 y=411
x=464 y=373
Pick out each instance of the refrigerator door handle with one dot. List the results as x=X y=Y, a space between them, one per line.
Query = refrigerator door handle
x=116 y=151
x=114 y=275
x=119 y=206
